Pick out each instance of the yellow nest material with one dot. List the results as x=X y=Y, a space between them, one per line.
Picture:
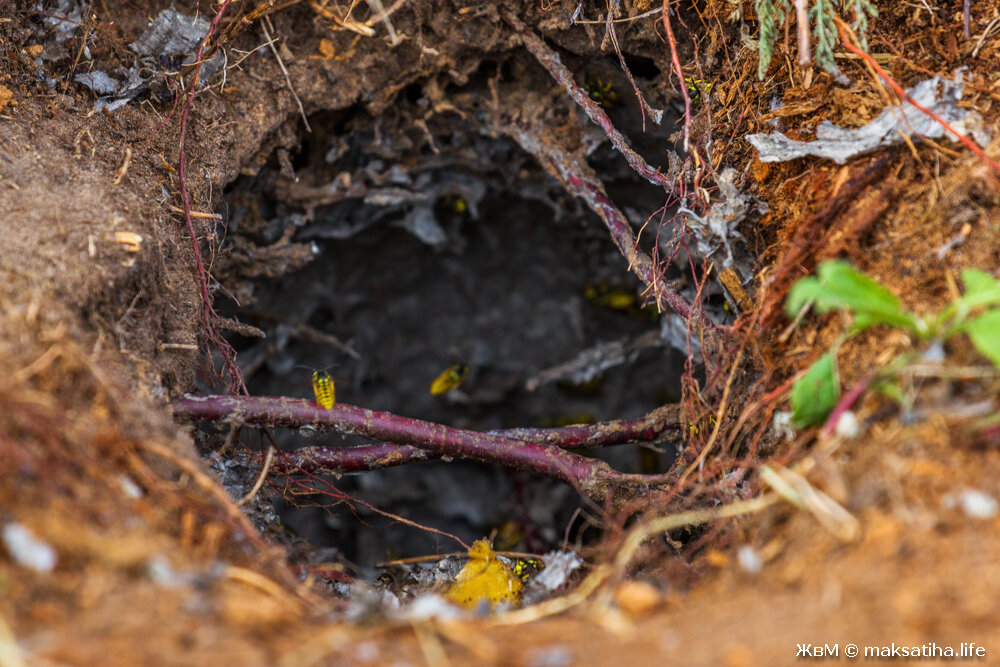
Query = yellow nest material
x=485 y=578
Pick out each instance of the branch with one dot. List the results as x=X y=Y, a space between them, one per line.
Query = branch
x=580 y=180
x=676 y=64
x=384 y=455
x=577 y=177
x=591 y=477
x=802 y=30
x=221 y=344
x=550 y=60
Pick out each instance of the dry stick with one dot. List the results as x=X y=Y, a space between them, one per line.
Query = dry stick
x=288 y=79
x=591 y=477
x=383 y=455
x=675 y=61
x=581 y=181
x=228 y=354
x=802 y=30
x=579 y=178
x=898 y=89
x=644 y=531
x=550 y=60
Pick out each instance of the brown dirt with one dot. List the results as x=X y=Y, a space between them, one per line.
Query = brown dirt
x=85 y=395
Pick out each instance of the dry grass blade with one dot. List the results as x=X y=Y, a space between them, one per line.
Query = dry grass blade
x=797 y=490
x=555 y=605
x=644 y=531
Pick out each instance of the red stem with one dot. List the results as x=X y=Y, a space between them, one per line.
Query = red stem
x=845 y=404
x=675 y=61
x=383 y=455
x=969 y=143
x=580 y=180
x=228 y=354
x=550 y=60
x=592 y=477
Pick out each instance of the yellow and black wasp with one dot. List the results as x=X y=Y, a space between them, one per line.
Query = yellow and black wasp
x=697 y=89
x=449 y=378
x=602 y=92
x=323 y=387
x=526 y=567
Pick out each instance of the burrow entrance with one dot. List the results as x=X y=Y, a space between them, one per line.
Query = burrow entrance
x=389 y=248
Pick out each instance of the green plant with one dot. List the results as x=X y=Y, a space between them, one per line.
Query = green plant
x=771 y=14
x=839 y=286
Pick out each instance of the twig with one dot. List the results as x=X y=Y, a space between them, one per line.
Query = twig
x=198 y=214
x=225 y=349
x=122 y=170
x=550 y=60
x=302 y=112
x=644 y=531
x=898 y=89
x=577 y=177
x=802 y=30
x=555 y=605
x=260 y=478
x=591 y=477
x=675 y=61
x=644 y=107
x=372 y=457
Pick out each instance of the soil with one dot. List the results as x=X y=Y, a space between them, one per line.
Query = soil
x=101 y=328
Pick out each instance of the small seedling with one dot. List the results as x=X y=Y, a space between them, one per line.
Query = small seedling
x=839 y=286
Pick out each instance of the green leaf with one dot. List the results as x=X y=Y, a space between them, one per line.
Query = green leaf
x=981 y=289
x=891 y=389
x=841 y=286
x=816 y=393
x=985 y=334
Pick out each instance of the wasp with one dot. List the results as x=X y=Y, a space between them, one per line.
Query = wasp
x=525 y=568
x=707 y=421
x=450 y=378
x=602 y=92
x=323 y=388
x=697 y=88
x=455 y=203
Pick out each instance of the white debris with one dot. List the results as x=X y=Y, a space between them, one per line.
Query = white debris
x=163 y=573
x=749 y=559
x=98 y=81
x=550 y=656
x=975 y=503
x=848 y=426
x=171 y=32
x=840 y=144
x=714 y=231
x=129 y=487
x=782 y=425
x=366 y=651
x=430 y=606
x=27 y=550
x=559 y=566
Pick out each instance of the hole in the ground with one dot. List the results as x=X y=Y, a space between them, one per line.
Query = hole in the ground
x=471 y=256
x=642 y=67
